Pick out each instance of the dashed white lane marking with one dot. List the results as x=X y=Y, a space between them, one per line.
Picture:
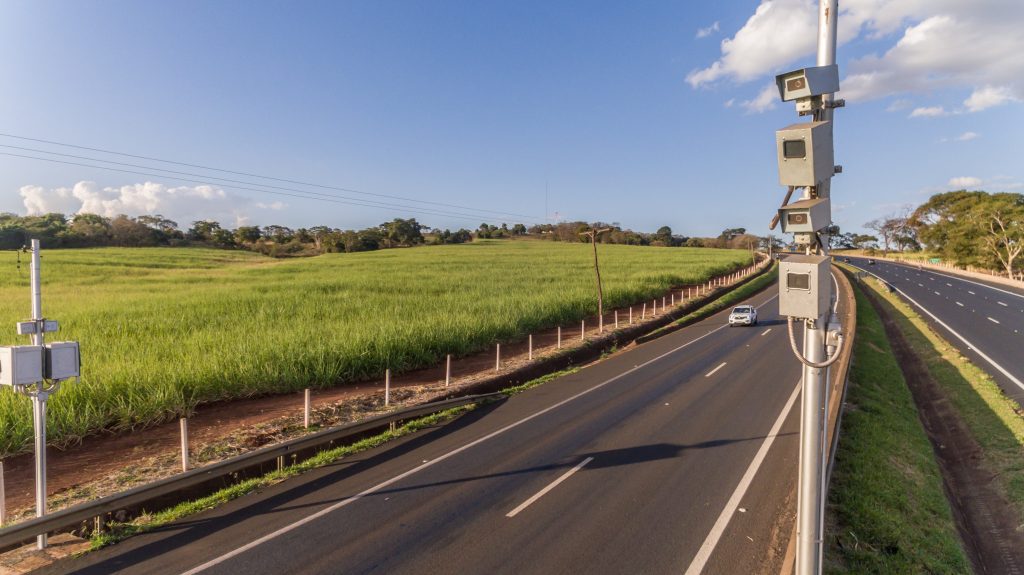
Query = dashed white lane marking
x=550 y=486
x=937 y=293
x=949 y=284
x=919 y=284
x=959 y=304
x=970 y=292
x=708 y=547
x=993 y=320
x=1002 y=304
x=712 y=372
x=765 y=332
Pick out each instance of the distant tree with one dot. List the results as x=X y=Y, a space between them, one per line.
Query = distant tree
x=519 y=230
x=278 y=234
x=127 y=232
x=90 y=230
x=248 y=234
x=203 y=230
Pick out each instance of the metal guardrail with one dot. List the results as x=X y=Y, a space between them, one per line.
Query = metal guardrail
x=24 y=532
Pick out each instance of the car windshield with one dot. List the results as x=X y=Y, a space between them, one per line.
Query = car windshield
x=742 y=309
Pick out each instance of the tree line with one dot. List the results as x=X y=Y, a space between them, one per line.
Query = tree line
x=90 y=230
x=967 y=228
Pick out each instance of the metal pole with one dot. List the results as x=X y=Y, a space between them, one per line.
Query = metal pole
x=39 y=396
x=810 y=496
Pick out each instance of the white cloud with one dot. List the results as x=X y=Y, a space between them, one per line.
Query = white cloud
x=898 y=105
x=183 y=204
x=939 y=44
x=929 y=112
x=278 y=206
x=988 y=97
x=705 y=32
x=777 y=33
x=730 y=103
x=966 y=136
x=965 y=182
x=764 y=101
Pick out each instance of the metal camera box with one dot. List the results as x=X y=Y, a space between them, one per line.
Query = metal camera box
x=805 y=216
x=805 y=154
x=62 y=360
x=21 y=365
x=808 y=82
x=804 y=287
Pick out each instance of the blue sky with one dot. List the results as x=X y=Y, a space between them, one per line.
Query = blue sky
x=644 y=114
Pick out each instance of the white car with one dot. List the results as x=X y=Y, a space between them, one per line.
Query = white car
x=745 y=314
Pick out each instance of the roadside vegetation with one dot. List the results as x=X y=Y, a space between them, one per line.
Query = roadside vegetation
x=995 y=421
x=887 y=511
x=165 y=329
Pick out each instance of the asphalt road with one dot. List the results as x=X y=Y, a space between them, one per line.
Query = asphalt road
x=677 y=456
x=984 y=320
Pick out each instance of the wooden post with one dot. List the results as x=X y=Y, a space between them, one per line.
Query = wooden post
x=387 y=387
x=448 y=370
x=3 y=496
x=531 y=347
x=497 y=358
x=306 y=408
x=183 y=424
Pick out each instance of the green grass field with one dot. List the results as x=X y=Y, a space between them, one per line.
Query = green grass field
x=163 y=330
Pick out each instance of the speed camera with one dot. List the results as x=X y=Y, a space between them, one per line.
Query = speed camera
x=808 y=82
x=804 y=287
x=805 y=216
x=805 y=155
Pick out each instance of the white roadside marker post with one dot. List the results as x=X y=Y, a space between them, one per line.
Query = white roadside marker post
x=306 y=408
x=387 y=387
x=183 y=425
x=448 y=370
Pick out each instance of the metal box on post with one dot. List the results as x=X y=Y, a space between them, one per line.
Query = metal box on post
x=21 y=365
x=805 y=154
x=804 y=287
x=62 y=360
x=805 y=216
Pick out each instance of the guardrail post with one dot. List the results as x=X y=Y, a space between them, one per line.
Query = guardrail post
x=387 y=387
x=448 y=370
x=305 y=409
x=183 y=424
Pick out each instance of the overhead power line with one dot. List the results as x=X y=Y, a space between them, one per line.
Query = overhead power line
x=330 y=199
x=250 y=174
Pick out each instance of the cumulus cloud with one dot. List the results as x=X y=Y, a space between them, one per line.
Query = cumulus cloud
x=764 y=101
x=183 y=204
x=988 y=97
x=705 y=32
x=966 y=136
x=965 y=182
x=929 y=112
x=940 y=44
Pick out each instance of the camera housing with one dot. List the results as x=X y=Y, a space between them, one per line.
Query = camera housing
x=805 y=154
x=805 y=216
x=808 y=82
x=804 y=289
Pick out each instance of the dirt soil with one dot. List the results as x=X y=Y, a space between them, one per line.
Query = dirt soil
x=986 y=521
x=109 y=463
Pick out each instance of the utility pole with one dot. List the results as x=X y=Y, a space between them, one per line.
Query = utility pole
x=592 y=235
x=36 y=371
x=805 y=154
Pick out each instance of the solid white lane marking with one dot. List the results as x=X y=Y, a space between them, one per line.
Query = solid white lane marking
x=969 y=345
x=712 y=372
x=704 y=553
x=765 y=332
x=959 y=304
x=993 y=320
x=327 y=510
x=1002 y=304
x=550 y=486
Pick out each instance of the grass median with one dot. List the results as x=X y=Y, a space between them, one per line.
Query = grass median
x=887 y=512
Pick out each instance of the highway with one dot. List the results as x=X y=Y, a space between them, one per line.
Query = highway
x=984 y=320
x=676 y=456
